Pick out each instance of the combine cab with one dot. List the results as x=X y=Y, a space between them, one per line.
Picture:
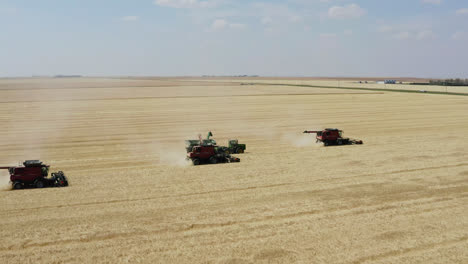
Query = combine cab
x=210 y=154
x=34 y=173
x=189 y=144
x=235 y=147
x=333 y=136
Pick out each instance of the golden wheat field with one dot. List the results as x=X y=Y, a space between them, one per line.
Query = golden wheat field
x=402 y=197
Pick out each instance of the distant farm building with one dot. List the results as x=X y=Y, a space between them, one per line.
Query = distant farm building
x=387 y=82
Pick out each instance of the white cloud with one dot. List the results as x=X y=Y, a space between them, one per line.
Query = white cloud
x=219 y=24
x=295 y=18
x=425 y=34
x=267 y=21
x=415 y=30
x=328 y=35
x=335 y=35
x=402 y=35
x=418 y=35
x=346 y=12
x=462 y=11
x=276 y=15
x=432 y=2
x=385 y=29
x=185 y=3
x=8 y=11
x=130 y=18
x=237 y=26
x=460 y=35
x=309 y=2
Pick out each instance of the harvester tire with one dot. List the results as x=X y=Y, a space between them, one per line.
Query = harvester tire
x=196 y=162
x=39 y=184
x=239 y=150
x=17 y=185
x=325 y=143
x=213 y=160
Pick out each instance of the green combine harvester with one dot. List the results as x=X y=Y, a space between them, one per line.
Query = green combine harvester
x=233 y=148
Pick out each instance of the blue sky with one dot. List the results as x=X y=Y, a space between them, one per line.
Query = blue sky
x=421 y=38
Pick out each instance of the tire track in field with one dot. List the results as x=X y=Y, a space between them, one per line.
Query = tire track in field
x=421 y=248
x=341 y=212
x=257 y=237
x=150 y=198
x=230 y=189
x=182 y=97
x=185 y=227
x=91 y=87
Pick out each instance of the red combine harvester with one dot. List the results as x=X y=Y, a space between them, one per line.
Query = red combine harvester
x=210 y=154
x=333 y=136
x=34 y=173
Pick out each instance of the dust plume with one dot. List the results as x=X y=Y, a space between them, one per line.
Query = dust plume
x=173 y=155
x=39 y=124
x=169 y=153
x=4 y=180
x=300 y=140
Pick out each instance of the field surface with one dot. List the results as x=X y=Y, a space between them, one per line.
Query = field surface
x=402 y=197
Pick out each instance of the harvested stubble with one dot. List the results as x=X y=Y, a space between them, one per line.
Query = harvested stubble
x=401 y=197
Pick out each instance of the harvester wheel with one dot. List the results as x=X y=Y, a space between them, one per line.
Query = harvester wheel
x=213 y=160
x=196 y=162
x=17 y=185
x=325 y=143
x=39 y=184
x=240 y=150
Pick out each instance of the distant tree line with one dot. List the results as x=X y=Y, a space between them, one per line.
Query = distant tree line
x=67 y=76
x=450 y=82
x=245 y=75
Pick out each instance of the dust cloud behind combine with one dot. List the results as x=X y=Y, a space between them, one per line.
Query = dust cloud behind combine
x=399 y=198
x=170 y=154
x=300 y=140
x=4 y=180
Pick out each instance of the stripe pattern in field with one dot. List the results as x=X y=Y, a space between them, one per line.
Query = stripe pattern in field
x=399 y=198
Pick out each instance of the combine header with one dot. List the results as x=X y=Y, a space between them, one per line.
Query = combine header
x=34 y=173
x=333 y=136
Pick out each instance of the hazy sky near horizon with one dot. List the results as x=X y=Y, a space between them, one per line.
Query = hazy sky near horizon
x=420 y=38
